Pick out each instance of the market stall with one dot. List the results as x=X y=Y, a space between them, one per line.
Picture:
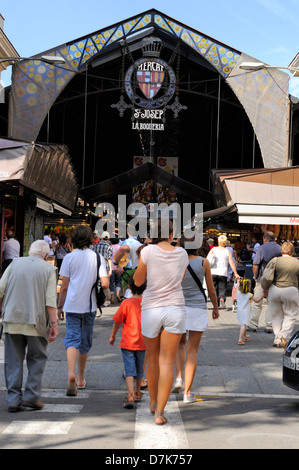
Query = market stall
x=35 y=179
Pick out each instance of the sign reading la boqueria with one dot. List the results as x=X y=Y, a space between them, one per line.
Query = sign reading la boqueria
x=144 y=82
x=146 y=114
x=150 y=84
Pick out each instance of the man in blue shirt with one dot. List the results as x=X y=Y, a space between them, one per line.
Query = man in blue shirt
x=256 y=246
x=270 y=249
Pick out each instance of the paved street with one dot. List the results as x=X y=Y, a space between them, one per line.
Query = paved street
x=242 y=402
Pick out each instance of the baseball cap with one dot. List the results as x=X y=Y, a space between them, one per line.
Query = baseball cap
x=105 y=235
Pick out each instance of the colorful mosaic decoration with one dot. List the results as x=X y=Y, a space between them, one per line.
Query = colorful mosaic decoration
x=36 y=84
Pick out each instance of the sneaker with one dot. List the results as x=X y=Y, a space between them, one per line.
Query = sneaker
x=222 y=304
x=281 y=344
x=177 y=386
x=15 y=409
x=34 y=405
x=189 y=398
x=268 y=330
x=107 y=303
x=249 y=328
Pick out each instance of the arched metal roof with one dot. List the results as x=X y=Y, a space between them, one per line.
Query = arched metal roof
x=264 y=96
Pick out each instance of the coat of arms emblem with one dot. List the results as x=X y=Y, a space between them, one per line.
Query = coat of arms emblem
x=150 y=83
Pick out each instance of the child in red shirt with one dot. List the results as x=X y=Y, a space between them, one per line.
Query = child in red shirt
x=132 y=343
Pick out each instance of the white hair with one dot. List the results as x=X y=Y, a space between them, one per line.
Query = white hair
x=39 y=248
x=222 y=240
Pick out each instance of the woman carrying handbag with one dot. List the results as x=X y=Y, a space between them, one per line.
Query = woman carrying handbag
x=196 y=319
x=283 y=295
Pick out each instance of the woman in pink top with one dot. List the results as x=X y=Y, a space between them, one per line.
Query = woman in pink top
x=163 y=317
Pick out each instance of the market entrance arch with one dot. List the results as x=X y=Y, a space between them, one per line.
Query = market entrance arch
x=213 y=131
x=218 y=129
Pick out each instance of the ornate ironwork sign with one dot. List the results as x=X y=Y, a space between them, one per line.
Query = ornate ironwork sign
x=150 y=74
x=150 y=83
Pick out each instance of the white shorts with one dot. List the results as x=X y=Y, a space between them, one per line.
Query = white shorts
x=196 y=319
x=171 y=318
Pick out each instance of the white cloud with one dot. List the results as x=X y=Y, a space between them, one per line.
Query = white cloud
x=278 y=8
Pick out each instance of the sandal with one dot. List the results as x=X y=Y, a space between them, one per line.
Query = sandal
x=130 y=402
x=153 y=407
x=160 y=417
x=72 y=391
x=81 y=387
x=241 y=343
x=138 y=396
x=246 y=338
x=143 y=386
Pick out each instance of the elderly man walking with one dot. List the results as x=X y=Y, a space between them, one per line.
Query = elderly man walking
x=28 y=302
x=270 y=249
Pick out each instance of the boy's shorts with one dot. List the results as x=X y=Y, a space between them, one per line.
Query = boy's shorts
x=133 y=363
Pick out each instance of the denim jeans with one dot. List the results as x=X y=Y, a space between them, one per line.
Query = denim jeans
x=79 y=331
x=133 y=363
x=115 y=282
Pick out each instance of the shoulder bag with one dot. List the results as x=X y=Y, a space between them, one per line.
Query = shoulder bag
x=211 y=258
x=268 y=274
x=197 y=280
x=100 y=296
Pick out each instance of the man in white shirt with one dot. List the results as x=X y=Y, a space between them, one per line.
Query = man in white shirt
x=11 y=250
x=77 y=300
x=49 y=240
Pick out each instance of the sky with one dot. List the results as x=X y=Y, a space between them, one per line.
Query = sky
x=264 y=29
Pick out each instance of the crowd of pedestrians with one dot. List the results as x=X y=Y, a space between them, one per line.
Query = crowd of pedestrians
x=161 y=287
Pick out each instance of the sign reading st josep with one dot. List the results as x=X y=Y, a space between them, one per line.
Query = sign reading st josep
x=150 y=84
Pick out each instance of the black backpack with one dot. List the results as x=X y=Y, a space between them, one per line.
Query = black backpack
x=100 y=296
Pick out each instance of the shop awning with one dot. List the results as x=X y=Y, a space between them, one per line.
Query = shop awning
x=148 y=171
x=272 y=215
x=51 y=208
x=262 y=196
x=46 y=169
x=220 y=212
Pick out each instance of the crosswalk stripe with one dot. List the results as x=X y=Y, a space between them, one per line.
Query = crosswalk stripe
x=48 y=427
x=247 y=395
x=148 y=435
x=62 y=394
x=39 y=427
x=65 y=408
